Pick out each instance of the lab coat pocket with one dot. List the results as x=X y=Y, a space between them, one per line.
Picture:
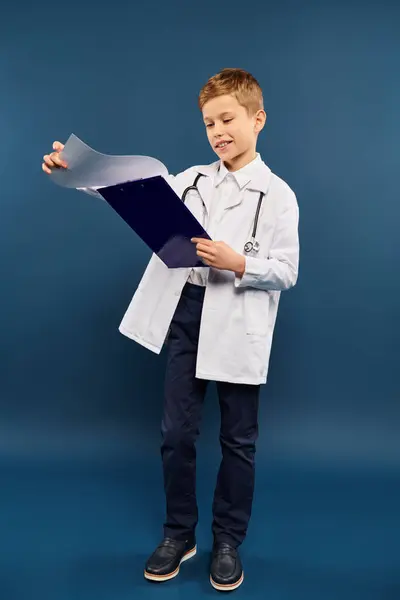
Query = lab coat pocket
x=257 y=312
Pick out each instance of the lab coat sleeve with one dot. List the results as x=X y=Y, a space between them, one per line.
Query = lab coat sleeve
x=280 y=270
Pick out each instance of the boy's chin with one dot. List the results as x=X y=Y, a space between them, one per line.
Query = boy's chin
x=227 y=155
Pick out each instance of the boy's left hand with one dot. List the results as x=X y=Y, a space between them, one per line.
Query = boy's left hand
x=220 y=256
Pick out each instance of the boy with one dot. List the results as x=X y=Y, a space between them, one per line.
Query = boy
x=218 y=321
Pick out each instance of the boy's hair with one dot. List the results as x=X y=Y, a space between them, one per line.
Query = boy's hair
x=238 y=83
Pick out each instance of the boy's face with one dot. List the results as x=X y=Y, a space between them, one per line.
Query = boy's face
x=231 y=130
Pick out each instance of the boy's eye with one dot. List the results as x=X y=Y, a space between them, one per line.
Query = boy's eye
x=224 y=121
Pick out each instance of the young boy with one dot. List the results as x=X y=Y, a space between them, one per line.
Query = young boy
x=217 y=322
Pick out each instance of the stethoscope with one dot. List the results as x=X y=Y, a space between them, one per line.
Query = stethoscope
x=252 y=245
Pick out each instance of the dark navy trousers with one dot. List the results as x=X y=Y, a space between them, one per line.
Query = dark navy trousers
x=183 y=402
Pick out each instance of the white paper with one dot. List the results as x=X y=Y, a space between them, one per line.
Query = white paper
x=88 y=168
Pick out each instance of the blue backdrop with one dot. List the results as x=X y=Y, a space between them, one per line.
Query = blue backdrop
x=82 y=502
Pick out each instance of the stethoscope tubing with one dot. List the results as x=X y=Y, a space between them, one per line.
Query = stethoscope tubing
x=249 y=246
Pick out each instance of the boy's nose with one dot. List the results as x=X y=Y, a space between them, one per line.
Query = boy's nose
x=218 y=130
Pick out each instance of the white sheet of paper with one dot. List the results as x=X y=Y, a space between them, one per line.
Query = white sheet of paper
x=88 y=168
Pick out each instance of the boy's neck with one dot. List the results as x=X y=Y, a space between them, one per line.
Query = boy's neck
x=241 y=161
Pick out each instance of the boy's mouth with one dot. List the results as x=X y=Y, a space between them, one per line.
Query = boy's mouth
x=223 y=144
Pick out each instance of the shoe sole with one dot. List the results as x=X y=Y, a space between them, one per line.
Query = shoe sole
x=160 y=578
x=229 y=587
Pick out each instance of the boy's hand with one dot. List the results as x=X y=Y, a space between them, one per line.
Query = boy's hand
x=53 y=160
x=220 y=256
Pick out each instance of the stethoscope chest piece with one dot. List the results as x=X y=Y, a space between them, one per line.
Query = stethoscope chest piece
x=252 y=246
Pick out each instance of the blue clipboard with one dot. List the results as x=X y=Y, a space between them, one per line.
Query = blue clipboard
x=159 y=217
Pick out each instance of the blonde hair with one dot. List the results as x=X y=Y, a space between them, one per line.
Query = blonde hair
x=236 y=82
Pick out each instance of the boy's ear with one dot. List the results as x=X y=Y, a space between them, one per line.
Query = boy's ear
x=260 y=120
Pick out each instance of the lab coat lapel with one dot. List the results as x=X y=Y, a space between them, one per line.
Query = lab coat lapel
x=260 y=182
x=257 y=181
x=205 y=185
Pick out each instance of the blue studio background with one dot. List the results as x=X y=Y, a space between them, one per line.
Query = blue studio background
x=81 y=502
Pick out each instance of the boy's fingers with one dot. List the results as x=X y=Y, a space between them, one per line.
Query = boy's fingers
x=48 y=160
x=202 y=241
x=205 y=255
x=52 y=160
x=58 y=146
x=207 y=249
x=57 y=160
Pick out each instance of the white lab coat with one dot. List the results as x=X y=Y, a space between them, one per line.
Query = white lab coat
x=238 y=315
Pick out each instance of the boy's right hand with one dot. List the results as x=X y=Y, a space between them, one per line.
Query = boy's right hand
x=53 y=160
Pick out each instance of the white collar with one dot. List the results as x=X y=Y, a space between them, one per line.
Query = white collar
x=255 y=175
x=242 y=176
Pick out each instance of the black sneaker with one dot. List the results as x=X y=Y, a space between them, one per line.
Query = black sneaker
x=165 y=561
x=226 y=568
